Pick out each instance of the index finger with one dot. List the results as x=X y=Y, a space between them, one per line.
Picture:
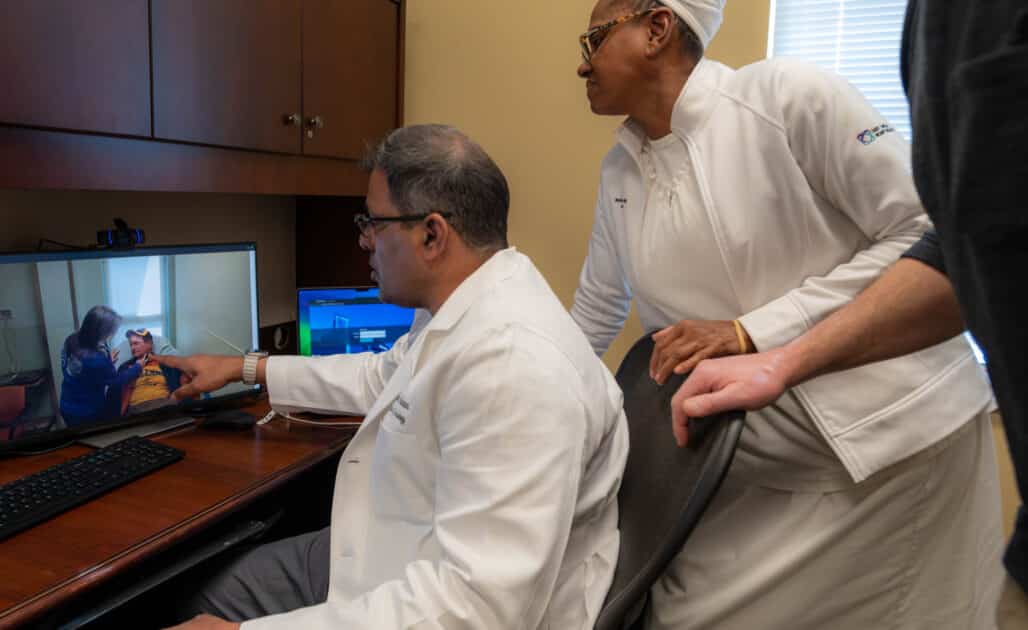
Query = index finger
x=189 y=390
x=679 y=423
x=168 y=360
x=660 y=334
x=697 y=383
x=679 y=418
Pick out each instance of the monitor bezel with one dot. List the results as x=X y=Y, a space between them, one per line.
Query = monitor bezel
x=186 y=408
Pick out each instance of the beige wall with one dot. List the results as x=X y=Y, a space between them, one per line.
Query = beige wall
x=505 y=73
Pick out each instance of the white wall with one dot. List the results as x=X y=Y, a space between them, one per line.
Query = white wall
x=208 y=298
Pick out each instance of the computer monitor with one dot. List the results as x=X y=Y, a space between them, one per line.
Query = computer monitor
x=344 y=320
x=77 y=328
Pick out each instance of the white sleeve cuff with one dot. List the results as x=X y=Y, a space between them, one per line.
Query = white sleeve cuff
x=775 y=324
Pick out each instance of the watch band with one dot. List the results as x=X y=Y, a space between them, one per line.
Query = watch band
x=250 y=361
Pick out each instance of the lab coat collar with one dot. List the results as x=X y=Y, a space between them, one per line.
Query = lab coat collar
x=499 y=267
x=692 y=109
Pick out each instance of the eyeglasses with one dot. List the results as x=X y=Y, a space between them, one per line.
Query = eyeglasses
x=592 y=39
x=366 y=223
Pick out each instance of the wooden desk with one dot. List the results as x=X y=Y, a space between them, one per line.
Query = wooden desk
x=223 y=471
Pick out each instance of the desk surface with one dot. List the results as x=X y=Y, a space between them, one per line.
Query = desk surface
x=222 y=471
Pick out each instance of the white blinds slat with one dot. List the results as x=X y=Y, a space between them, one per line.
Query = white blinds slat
x=858 y=39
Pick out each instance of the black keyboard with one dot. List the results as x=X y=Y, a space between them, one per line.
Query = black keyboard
x=33 y=499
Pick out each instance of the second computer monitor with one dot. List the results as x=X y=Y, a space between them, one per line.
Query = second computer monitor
x=346 y=320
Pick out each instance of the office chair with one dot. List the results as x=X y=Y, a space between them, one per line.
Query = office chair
x=665 y=489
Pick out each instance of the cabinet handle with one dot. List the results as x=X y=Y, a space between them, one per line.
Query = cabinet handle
x=291 y=120
x=314 y=122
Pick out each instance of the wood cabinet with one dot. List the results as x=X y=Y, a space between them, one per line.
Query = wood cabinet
x=77 y=65
x=350 y=53
x=227 y=72
x=317 y=76
x=253 y=96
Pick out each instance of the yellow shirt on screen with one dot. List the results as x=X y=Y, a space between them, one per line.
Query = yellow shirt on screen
x=151 y=385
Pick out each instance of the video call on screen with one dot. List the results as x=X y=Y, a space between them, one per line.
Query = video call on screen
x=79 y=330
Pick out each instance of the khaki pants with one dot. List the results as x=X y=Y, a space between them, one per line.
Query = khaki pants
x=915 y=548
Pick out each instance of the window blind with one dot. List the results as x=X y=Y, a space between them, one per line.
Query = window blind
x=858 y=39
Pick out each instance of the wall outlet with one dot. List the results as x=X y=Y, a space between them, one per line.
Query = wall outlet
x=6 y=314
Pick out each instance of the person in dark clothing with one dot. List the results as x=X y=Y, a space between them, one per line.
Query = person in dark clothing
x=91 y=390
x=965 y=68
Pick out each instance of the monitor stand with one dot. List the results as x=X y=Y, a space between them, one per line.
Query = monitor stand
x=100 y=440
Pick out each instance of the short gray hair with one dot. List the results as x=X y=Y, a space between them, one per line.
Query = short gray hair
x=437 y=168
x=689 y=40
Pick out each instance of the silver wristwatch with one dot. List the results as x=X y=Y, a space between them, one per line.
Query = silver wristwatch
x=250 y=361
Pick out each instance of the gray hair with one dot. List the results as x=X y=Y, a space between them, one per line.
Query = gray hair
x=689 y=40
x=437 y=168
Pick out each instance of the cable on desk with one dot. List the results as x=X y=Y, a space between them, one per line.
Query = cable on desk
x=347 y=424
x=42 y=452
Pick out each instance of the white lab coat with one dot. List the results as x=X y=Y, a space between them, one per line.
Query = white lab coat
x=864 y=499
x=481 y=490
x=804 y=216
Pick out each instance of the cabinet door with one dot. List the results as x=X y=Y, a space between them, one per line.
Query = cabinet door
x=350 y=74
x=227 y=72
x=76 y=65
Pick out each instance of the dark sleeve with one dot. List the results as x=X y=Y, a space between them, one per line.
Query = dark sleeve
x=105 y=374
x=927 y=250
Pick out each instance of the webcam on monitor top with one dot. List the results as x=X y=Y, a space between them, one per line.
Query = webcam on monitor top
x=122 y=237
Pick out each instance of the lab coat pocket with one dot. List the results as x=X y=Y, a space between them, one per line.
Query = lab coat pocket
x=397 y=418
x=401 y=481
x=988 y=100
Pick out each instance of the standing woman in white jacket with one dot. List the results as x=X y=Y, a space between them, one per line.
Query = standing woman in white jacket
x=739 y=208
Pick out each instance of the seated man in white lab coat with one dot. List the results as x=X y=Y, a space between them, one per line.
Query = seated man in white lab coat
x=480 y=491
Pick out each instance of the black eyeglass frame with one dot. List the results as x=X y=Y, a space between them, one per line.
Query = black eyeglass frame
x=365 y=222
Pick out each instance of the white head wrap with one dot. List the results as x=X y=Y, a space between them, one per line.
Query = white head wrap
x=702 y=16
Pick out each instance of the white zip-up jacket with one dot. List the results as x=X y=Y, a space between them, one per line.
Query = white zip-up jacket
x=809 y=196
x=481 y=488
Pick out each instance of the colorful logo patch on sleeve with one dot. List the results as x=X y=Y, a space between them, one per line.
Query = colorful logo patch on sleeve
x=868 y=136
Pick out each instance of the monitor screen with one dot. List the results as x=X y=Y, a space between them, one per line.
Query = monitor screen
x=77 y=330
x=348 y=320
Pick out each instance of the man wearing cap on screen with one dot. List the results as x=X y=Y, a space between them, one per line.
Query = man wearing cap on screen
x=738 y=209
x=155 y=385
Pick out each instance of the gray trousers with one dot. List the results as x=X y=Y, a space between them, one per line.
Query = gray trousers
x=274 y=578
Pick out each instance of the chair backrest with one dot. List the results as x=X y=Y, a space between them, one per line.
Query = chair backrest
x=665 y=489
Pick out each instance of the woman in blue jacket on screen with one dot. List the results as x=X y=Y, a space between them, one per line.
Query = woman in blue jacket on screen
x=92 y=386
